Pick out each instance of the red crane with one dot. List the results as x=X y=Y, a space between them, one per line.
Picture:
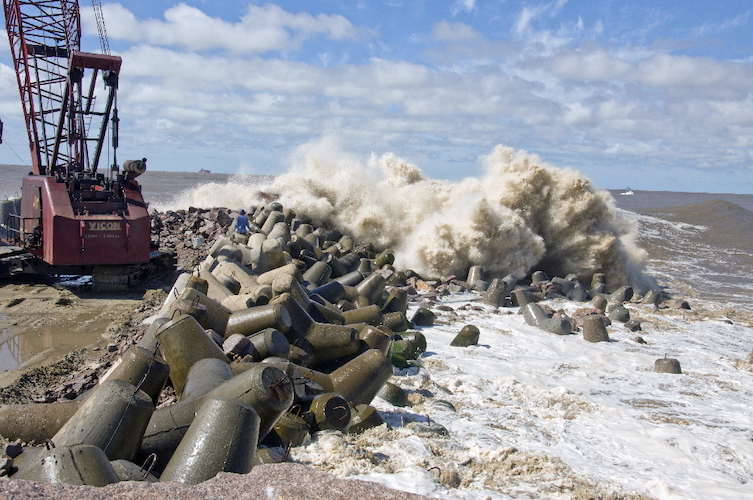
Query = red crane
x=73 y=213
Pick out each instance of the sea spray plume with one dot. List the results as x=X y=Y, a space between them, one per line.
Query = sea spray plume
x=436 y=227
x=239 y=191
x=521 y=215
x=333 y=188
x=470 y=232
x=451 y=226
x=577 y=223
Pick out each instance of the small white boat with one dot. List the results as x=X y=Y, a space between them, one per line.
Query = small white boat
x=627 y=192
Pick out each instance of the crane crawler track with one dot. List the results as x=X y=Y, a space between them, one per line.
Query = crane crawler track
x=15 y=261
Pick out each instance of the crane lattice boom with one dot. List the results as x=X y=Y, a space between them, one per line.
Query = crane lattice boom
x=65 y=124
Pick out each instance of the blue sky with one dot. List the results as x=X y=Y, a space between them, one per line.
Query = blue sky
x=655 y=95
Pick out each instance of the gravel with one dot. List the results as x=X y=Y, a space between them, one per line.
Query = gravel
x=286 y=481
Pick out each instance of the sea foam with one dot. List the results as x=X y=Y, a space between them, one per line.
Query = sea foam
x=520 y=215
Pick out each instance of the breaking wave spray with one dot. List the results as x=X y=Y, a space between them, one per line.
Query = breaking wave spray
x=520 y=215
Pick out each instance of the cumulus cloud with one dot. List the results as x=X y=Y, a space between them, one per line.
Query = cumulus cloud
x=700 y=76
x=591 y=65
x=445 y=31
x=262 y=29
x=553 y=85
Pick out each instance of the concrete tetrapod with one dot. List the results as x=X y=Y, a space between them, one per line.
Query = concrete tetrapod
x=475 y=273
x=222 y=438
x=114 y=418
x=499 y=289
x=191 y=308
x=578 y=293
x=266 y=388
x=129 y=471
x=370 y=314
x=330 y=411
x=317 y=274
x=77 y=465
x=365 y=417
x=619 y=313
x=218 y=314
x=183 y=342
x=423 y=317
x=180 y=284
x=467 y=336
x=143 y=369
x=599 y=302
x=35 y=421
x=396 y=301
x=652 y=298
x=256 y=319
x=396 y=321
x=331 y=292
x=270 y=343
x=394 y=395
x=149 y=340
x=519 y=297
x=290 y=429
x=594 y=329
x=534 y=315
x=316 y=342
x=667 y=365
x=370 y=288
x=204 y=376
x=232 y=284
x=358 y=380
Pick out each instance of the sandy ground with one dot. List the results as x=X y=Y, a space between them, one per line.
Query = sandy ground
x=43 y=322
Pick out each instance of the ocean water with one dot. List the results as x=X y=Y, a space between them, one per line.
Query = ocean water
x=530 y=414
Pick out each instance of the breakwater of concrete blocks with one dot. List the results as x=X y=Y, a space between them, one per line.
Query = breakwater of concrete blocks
x=277 y=334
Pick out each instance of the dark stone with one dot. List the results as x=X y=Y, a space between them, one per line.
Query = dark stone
x=633 y=325
x=468 y=335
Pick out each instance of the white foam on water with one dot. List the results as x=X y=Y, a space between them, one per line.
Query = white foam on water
x=555 y=417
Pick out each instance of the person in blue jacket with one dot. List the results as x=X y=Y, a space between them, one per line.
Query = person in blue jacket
x=241 y=223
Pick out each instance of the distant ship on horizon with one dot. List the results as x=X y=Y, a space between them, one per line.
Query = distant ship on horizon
x=204 y=171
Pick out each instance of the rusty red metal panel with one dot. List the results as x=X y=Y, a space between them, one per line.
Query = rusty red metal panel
x=95 y=61
x=69 y=238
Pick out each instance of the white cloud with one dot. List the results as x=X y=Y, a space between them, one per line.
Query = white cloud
x=702 y=74
x=453 y=32
x=262 y=29
x=559 y=89
x=389 y=74
x=463 y=5
x=592 y=65
x=529 y=14
x=736 y=22
x=576 y=114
